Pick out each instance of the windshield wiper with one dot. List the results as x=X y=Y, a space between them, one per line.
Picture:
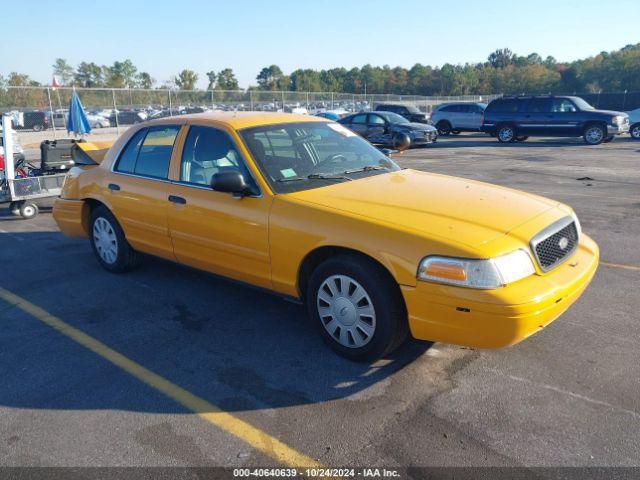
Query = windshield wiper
x=315 y=176
x=366 y=168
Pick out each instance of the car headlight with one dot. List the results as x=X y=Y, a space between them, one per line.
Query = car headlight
x=618 y=120
x=490 y=273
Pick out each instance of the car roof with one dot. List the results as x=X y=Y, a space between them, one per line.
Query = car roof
x=239 y=120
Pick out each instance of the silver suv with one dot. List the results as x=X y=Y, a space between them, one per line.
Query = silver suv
x=458 y=117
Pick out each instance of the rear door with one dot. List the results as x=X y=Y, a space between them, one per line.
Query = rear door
x=534 y=117
x=359 y=124
x=137 y=189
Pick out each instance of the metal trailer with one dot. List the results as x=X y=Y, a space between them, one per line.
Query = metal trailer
x=22 y=193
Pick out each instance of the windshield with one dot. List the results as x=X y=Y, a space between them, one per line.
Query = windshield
x=300 y=156
x=581 y=104
x=393 y=117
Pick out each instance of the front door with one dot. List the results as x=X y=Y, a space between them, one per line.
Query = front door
x=216 y=231
x=564 y=118
x=137 y=192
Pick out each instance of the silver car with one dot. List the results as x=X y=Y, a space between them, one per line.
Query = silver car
x=458 y=117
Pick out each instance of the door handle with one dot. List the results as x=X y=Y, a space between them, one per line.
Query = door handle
x=178 y=200
x=114 y=187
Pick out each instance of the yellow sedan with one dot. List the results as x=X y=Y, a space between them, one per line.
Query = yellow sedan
x=305 y=208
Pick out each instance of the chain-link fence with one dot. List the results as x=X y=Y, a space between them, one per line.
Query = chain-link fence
x=45 y=108
x=111 y=110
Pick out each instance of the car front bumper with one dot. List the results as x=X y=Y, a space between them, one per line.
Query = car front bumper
x=501 y=317
x=618 y=129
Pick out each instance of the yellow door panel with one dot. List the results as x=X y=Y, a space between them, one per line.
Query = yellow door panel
x=216 y=232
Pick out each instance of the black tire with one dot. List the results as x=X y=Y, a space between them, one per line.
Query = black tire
x=125 y=257
x=390 y=327
x=522 y=138
x=444 y=127
x=594 y=134
x=506 y=133
x=14 y=208
x=37 y=127
x=29 y=210
x=634 y=131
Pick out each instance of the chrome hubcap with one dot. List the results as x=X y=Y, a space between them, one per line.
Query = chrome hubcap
x=104 y=238
x=594 y=135
x=28 y=211
x=506 y=134
x=346 y=311
x=635 y=133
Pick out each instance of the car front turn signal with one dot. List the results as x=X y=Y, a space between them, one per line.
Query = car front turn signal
x=486 y=274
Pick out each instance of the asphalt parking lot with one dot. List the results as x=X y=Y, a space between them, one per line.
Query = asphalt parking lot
x=568 y=396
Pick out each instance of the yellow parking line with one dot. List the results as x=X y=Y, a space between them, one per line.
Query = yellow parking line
x=255 y=437
x=617 y=265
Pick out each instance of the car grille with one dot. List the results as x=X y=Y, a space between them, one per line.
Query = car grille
x=555 y=243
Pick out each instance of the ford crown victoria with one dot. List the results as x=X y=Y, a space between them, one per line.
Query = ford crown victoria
x=306 y=208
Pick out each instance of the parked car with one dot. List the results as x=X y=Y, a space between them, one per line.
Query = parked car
x=458 y=117
x=634 y=120
x=127 y=118
x=518 y=118
x=386 y=129
x=36 y=121
x=411 y=113
x=307 y=209
x=334 y=115
x=58 y=119
x=98 y=121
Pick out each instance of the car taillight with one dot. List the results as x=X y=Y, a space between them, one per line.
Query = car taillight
x=1 y=162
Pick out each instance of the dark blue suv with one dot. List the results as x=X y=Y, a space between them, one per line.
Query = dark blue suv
x=517 y=118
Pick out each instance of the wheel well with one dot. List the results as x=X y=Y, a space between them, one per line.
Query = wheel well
x=90 y=204
x=596 y=122
x=316 y=257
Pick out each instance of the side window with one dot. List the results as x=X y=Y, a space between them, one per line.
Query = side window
x=464 y=108
x=562 y=105
x=208 y=151
x=359 y=119
x=127 y=160
x=510 y=105
x=155 y=153
x=376 y=120
x=540 y=105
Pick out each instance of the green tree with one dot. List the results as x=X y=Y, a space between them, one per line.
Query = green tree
x=227 y=80
x=145 y=80
x=89 y=75
x=501 y=58
x=186 y=79
x=63 y=71
x=270 y=78
x=121 y=74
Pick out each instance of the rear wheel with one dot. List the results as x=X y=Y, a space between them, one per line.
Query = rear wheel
x=594 y=134
x=357 y=308
x=444 y=127
x=109 y=244
x=506 y=133
x=635 y=131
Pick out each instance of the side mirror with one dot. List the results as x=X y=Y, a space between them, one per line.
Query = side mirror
x=230 y=181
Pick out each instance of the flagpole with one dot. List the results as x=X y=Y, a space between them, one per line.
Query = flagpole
x=53 y=123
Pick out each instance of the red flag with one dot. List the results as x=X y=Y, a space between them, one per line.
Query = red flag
x=54 y=84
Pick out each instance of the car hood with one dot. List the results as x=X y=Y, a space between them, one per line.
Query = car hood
x=464 y=211
x=611 y=112
x=414 y=126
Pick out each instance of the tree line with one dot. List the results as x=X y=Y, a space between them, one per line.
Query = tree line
x=502 y=72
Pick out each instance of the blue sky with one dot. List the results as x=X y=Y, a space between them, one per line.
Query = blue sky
x=163 y=37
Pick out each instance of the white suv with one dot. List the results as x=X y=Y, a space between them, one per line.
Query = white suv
x=458 y=117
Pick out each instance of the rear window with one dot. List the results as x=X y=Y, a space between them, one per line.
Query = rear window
x=148 y=153
x=506 y=105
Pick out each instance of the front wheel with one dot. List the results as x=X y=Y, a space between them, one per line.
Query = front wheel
x=634 y=131
x=506 y=134
x=594 y=134
x=29 y=210
x=109 y=243
x=357 y=308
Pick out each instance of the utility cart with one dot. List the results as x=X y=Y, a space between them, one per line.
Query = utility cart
x=21 y=193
